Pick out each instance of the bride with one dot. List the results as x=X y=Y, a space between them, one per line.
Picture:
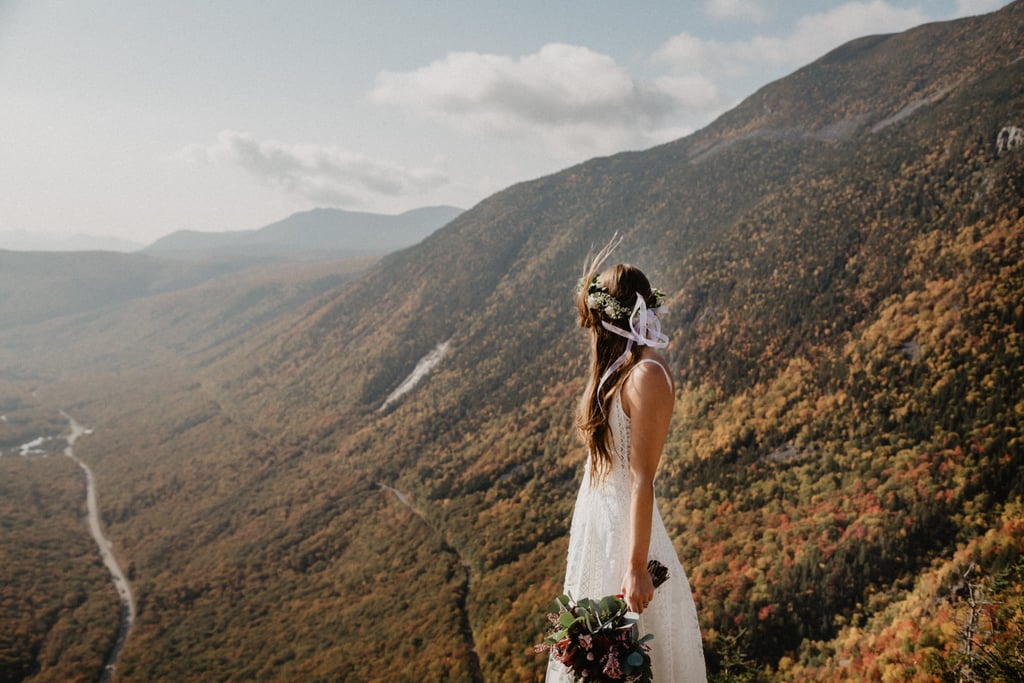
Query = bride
x=623 y=419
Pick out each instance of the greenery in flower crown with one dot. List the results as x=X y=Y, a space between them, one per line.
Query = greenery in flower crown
x=597 y=640
x=598 y=299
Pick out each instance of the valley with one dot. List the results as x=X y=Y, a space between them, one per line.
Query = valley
x=843 y=470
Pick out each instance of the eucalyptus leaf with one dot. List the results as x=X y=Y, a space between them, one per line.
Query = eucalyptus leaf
x=567 y=619
x=610 y=605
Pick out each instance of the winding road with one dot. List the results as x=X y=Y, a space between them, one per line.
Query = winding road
x=124 y=589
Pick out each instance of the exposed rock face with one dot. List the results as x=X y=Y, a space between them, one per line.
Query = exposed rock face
x=1009 y=139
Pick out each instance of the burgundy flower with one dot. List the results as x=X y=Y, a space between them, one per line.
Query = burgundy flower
x=597 y=642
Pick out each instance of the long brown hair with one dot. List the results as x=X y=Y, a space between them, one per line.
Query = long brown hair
x=625 y=283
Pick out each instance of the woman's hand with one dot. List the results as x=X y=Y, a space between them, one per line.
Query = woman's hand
x=637 y=589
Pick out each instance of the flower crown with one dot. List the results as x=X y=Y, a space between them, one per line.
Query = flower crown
x=598 y=299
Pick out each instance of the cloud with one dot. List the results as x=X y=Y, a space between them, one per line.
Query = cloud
x=735 y=9
x=573 y=97
x=813 y=36
x=573 y=101
x=325 y=175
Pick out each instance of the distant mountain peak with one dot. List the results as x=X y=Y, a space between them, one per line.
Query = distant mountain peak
x=314 y=233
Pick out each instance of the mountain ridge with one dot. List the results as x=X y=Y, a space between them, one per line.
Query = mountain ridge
x=911 y=75
x=39 y=285
x=320 y=230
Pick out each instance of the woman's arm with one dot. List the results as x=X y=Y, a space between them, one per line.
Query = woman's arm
x=648 y=399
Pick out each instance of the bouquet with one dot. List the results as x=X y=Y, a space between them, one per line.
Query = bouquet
x=598 y=640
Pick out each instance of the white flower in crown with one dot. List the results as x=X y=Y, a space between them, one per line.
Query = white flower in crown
x=607 y=304
x=598 y=299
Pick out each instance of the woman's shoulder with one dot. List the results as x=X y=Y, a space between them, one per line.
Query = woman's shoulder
x=649 y=379
x=652 y=368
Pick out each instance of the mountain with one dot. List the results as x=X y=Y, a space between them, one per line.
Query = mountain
x=20 y=240
x=844 y=477
x=311 y=233
x=40 y=286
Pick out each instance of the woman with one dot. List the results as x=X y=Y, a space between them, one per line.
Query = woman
x=623 y=419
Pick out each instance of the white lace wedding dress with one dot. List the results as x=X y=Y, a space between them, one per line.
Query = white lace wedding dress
x=598 y=557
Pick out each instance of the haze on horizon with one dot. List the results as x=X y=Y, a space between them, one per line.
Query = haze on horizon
x=133 y=120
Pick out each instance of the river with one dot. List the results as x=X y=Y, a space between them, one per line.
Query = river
x=124 y=589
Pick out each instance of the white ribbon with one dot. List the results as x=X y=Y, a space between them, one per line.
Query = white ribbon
x=644 y=330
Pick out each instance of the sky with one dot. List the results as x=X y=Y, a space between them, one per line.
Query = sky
x=137 y=118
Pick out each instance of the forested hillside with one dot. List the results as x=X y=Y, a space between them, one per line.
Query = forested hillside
x=843 y=479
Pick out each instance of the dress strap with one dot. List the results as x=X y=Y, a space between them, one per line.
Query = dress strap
x=668 y=378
